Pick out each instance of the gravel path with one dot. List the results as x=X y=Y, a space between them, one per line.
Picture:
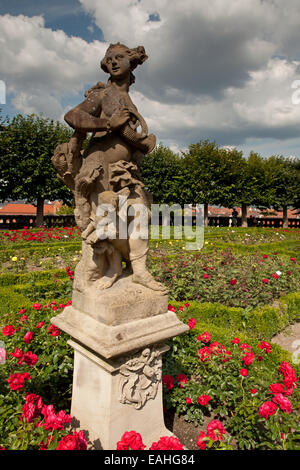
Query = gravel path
x=289 y=339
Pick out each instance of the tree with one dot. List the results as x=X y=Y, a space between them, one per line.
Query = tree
x=26 y=146
x=212 y=174
x=283 y=175
x=252 y=186
x=162 y=175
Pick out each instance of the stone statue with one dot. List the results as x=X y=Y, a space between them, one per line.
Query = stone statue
x=107 y=171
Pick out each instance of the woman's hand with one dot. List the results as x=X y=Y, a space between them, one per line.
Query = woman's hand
x=118 y=119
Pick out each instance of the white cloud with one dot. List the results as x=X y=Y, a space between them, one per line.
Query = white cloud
x=216 y=69
x=40 y=66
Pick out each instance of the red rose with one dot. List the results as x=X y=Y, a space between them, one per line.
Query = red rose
x=76 y=441
x=192 y=323
x=244 y=372
x=266 y=346
x=36 y=306
x=215 y=430
x=167 y=443
x=283 y=402
x=201 y=443
x=40 y=324
x=28 y=337
x=187 y=305
x=248 y=358
x=206 y=276
x=54 y=330
x=168 y=381
x=203 y=400
x=276 y=388
x=205 y=337
x=275 y=276
x=18 y=354
x=245 y=346
x=188 y=401
x=8 y=330
x=253 y=391
x=22 y=311
x=131 y=441
x=32 y=408
x=265 y=281
x=182 y=379
x=53 y=420
x=233 y=282
x=204 y=354
x=236 y=341
x=267 y=409
x=30 y=358
x=16 y=381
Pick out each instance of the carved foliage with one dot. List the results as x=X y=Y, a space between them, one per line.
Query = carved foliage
x=140 y=377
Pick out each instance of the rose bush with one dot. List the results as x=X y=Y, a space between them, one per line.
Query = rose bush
x=224 y=370
x=246 y=384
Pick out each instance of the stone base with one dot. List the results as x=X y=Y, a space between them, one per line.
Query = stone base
x=111 y=341
x=124 y=301
x=118 y=342
x=112 y=397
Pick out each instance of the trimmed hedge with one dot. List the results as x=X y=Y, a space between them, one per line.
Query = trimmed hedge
x=45 y=291
x=262 y=323
x=45 y=249
x=283 y=248
x=12 y=278
x=12 y=301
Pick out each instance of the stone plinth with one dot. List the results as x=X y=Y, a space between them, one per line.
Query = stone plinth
x=118 y=344
x=111 y=397
x=124 y=301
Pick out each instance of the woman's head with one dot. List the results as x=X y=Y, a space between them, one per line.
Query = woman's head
x=125 y=56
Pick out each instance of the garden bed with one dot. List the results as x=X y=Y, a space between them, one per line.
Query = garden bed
x=202 y=377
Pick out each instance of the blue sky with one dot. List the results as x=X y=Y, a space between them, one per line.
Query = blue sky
x=217 y=70
x=68 y=15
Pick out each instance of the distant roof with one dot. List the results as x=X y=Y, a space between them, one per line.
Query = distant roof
x=12 y=208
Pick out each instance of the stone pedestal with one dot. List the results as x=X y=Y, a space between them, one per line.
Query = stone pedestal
x=111 y=397
x=118 y=346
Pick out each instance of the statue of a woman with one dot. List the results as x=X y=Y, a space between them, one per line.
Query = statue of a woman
x=106 y=169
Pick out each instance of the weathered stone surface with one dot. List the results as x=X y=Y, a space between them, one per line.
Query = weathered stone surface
x=111 y=341
x=99 y=403
x=125 y=301
x=106 y=172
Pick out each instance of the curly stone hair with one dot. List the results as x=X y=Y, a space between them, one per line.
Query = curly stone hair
x=136 y=56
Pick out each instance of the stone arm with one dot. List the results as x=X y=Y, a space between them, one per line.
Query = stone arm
x=84 y=116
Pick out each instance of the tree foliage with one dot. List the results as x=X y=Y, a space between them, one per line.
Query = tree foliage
x=162 y=175
x=26 y=146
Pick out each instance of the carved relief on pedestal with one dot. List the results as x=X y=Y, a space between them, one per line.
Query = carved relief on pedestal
x=140 y=378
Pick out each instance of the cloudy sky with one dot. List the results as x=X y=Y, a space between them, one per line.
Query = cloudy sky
x=224 y=70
